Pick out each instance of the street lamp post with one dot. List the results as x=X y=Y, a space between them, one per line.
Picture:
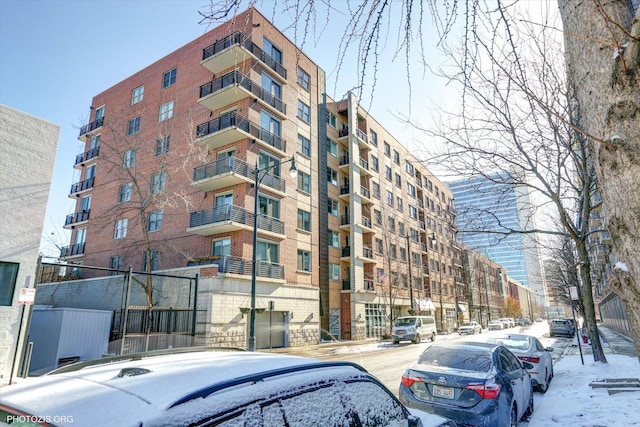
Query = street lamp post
x=259 y=174
x=410 y=284
x=435 y=242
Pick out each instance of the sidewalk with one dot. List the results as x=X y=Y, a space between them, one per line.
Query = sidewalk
x=613 y=342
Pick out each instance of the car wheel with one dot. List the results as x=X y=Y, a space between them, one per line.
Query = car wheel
x=514 y=415
x=417 y=340
x=433 y=337
x=396 y=342
x=529 y=411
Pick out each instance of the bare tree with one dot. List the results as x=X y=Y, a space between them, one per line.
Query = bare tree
x=562 y=272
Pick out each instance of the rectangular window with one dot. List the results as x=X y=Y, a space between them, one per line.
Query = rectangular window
x=121 y=229
x=396 y=156
x=334 y=207
x=332 y=176
x=304 y=79
x=8 y=278
x=304 y=112
x=400 y=206
x=376 y=189
x=271 y=86
x=334 y=239
x=166 y=111
x=387 y=149
x=389 y=198
x=403 y=254
x=155 y=255
x=134 y=126
x=268 y=252
x=392 y=224
x=304 y=182
x=155 y=221
x=221 y=247
x=158 y=182
x=332 y=120
x=377 y=217
x=332 y=147
x=398 y=181
x=304 y=220
x=115 y=263
x=268 y=206
x=271 y=50
x=374 y=163
x=374 y=138
x=125 y=192
x=409 y=168
x=413 y=212
x=270 y=123
x=162 y=145
x=379 y=246
x=137 y=94
x=387 y=173
x=411 y=189
x=304 y=260
x=334 y=271
x=129 y=159
x=169 y=78
x=401 y=229
x=393 y=251
x=304 y=145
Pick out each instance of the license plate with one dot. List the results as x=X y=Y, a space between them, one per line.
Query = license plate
x=444 y=392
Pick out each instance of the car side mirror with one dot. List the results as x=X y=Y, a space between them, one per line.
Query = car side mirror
x=549 y=349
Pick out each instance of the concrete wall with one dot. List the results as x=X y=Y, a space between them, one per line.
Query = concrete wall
x=27 y=152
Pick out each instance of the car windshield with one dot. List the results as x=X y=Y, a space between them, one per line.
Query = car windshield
x=468 y=324
x=405 y=321
x=467 y=359
x=560 y=322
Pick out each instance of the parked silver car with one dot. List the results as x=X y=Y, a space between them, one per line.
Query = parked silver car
x=470 y=328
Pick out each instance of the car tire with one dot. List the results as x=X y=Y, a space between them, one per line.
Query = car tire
x=529 y=412
x=396 y=342
x=417 y=340
x=433 y=337
x=542 y=388
x=513 y=416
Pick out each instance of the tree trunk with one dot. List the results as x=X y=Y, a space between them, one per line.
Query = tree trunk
x=602 y=45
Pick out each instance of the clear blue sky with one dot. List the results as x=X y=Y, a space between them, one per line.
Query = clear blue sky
x=55 y=55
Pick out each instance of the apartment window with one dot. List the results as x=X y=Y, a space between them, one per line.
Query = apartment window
x=389 y=198
x=377 y=217
x=129 y=159
x=304 y=220
x=396 y=156
x=393 y=251
x=379 y=246
x=221 y=248
x=155 y=221
x=271 y=86
x=121 y=229
x=268 y=252
x=155 y=264
x=334 y=271
x=124 y=194
x=387 y=173
x=392 y=224
x=134 y=126
x=411 y=189
x=162 y=145
x=399 y=204
x=381 y=276
x=332 y=120
x=304 y=145
x=271 y=50
x=137 y=94
x=401 y=229
x=270 y=123
x=416 y=258
x=115 y=263
x=415 y=236
x=387 y=149
x=169 y=78
x=334 y=239
x=304 y=260
x=376 y=189
x=99 y=113
x=374 y=138
x=394 y=278
x=158 y=182
x=332 y=176
x=405 y=283
x=304 y=182
x=403 y=254
x=398 y=181
x=304 y=112
x=413 y=212
x=409 y=168
x=166 y=111
x=334 y=207
x=304 y=79
x=8 y=278
x=374 y=163
x=332 y=147
x=268 y=206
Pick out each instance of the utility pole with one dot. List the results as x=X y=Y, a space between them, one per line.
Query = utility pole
x=410 y=284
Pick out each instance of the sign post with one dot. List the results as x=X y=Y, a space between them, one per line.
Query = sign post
x=573 y=293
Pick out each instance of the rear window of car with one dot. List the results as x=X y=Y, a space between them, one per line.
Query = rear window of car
x=478 y=360
x=560 y=322
x=513 y=344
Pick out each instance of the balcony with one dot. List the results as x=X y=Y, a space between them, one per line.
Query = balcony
x=363 y=140
x=230 y=128
x=365 y=195
x=425 y=270
x=345 y=221
x=225 y=219
x=344 y=191
x=81 y=159
x=235 y=265
x=235 y=86
x=91 y=127
x=346 y=253
x=232 y=171
x=73 y=250
x=367 y=254
x=368 y=285
x=346 y=285
x=364 y=166
x=344 y=161
x=81 y=186
x=76 y=218
x=366 y=225
x=224 y=54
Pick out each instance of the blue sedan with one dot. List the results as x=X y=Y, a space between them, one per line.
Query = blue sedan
x=471 y=383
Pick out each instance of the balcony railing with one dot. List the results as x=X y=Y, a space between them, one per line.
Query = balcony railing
x=344 y=189
x=239 y=79
x=344 y=160
x=87 y=155
x=346 y=251
x=226 y=121
x=366 y=222
x=343 y=132
x=346 y=285
x=235 y=214
x=82 y=185
x=364 y=192
x=76 y=249
x=425 y=270
x=91 y=126
x=364 y=164
x=368 y=285
x=363 y=136
x=239 y=39
x=344 y=220
x=236 y=265
x=77 y=217
x=234 y=165
x=367 y=252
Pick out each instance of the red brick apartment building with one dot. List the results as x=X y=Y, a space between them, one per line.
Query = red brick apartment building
x=169 y=168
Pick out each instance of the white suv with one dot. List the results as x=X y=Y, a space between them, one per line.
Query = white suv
x=222 y=388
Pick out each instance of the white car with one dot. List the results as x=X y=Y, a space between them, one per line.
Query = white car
x=496 y=325
x=508 y=322
x=529 y=349
x=199 y=387
x=470 y=328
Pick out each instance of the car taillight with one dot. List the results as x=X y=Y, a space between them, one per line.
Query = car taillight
x=485 y=390
x=408 y=381
x=529 y=359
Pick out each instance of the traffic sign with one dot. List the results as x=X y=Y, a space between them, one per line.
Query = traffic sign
x=27 y=296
